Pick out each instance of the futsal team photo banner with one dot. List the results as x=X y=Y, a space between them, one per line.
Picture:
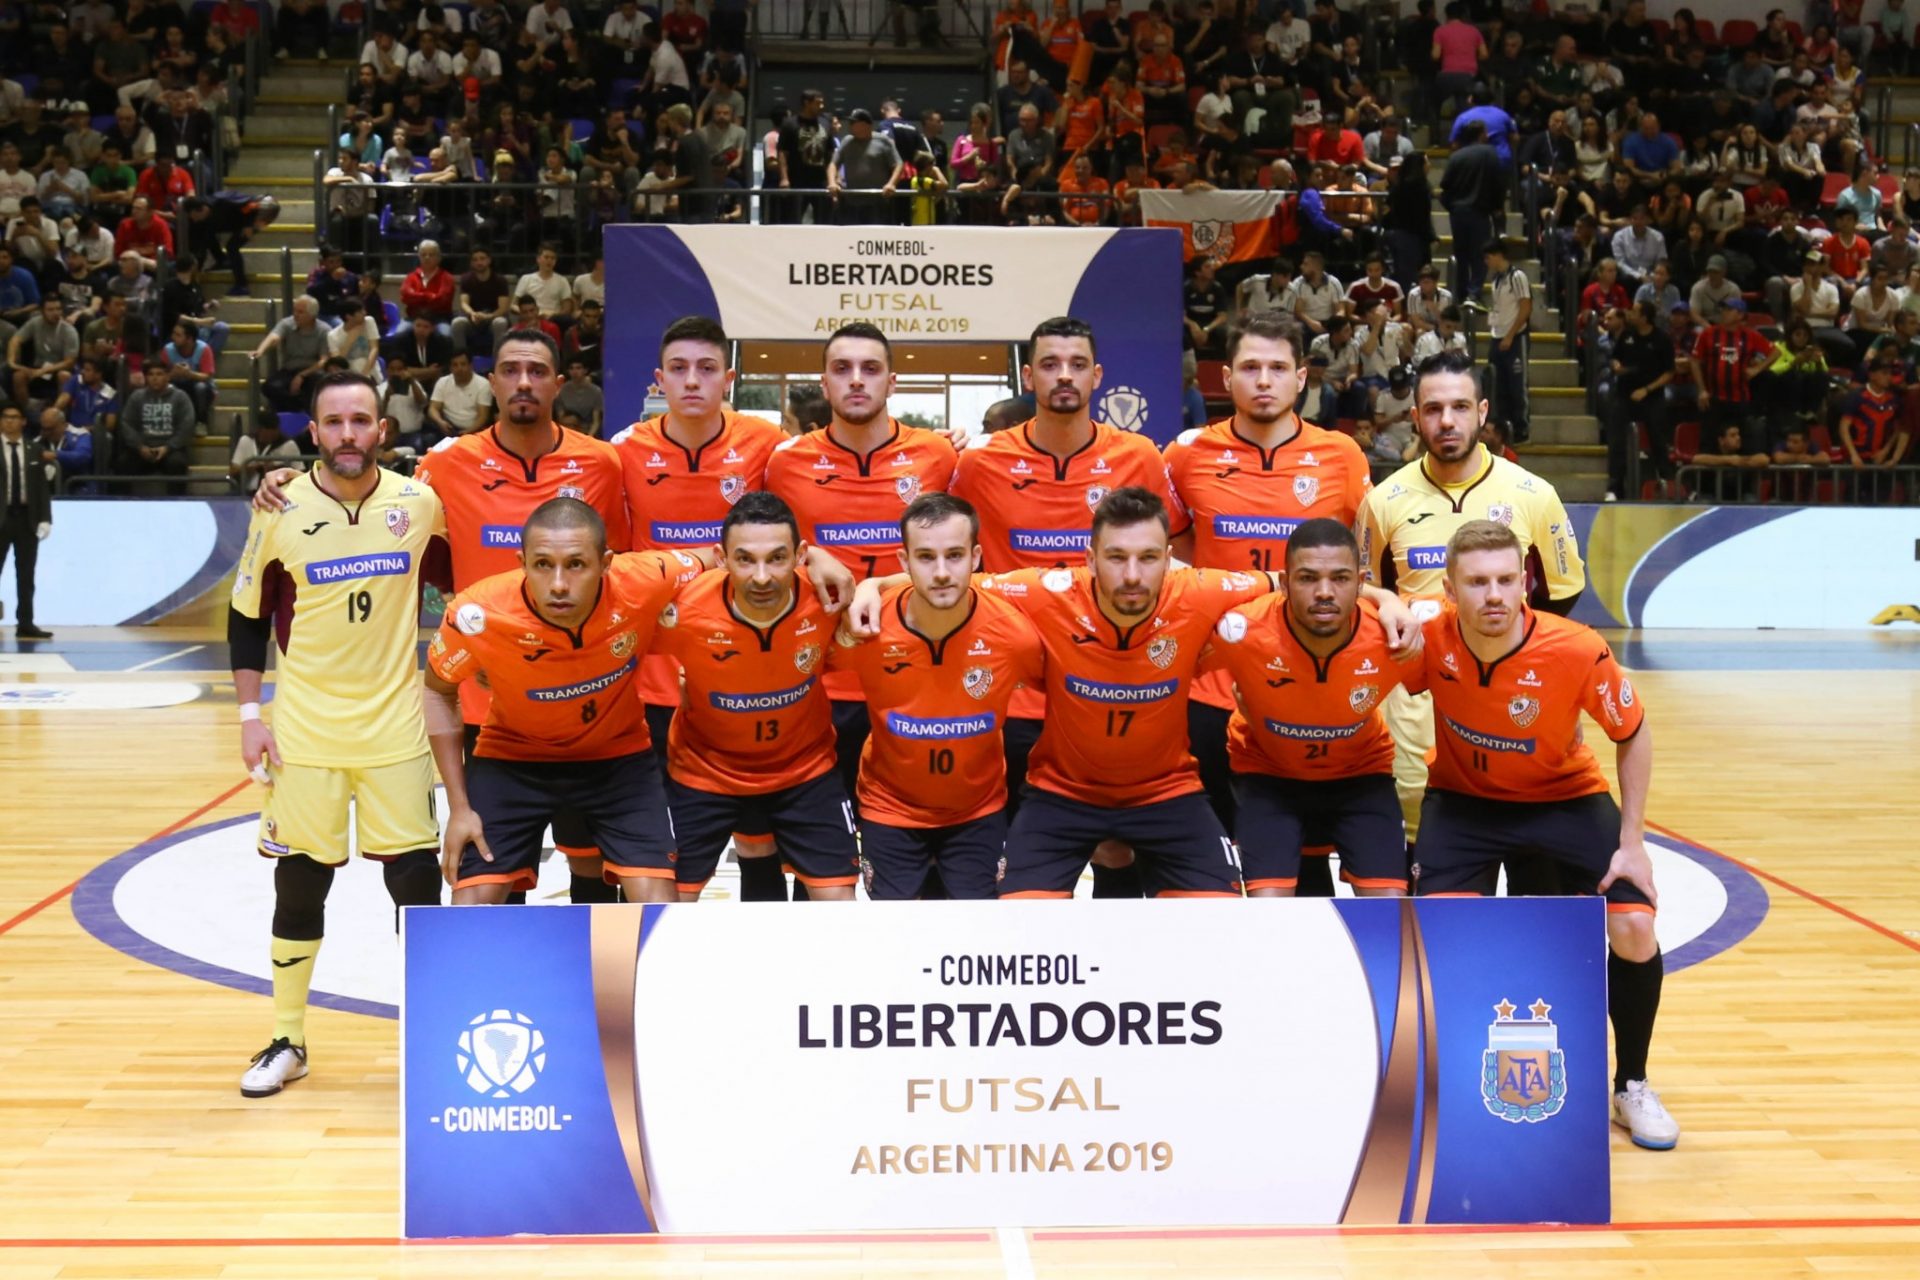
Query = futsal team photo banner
x=634 y=1069
x=918 y=284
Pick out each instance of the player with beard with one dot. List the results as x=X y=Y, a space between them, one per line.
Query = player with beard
x=1403 y=529
x=491 y=481
x=334 y=577
x=1123 y=635
x=684 y=470
x=848 y=484
x=1247 y=482
x=1035 y=486
x=1312 y=760
x=938 y=678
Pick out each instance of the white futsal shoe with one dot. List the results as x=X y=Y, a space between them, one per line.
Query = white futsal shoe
x=1638 y=1110
x=274 y=1068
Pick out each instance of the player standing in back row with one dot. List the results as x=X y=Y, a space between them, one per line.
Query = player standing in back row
x=1035 y=487
x=1514 y=780
x=334 y=578
x=1247 y=483
x=1405 y=523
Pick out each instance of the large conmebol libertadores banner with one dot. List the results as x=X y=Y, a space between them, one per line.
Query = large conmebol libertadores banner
x=685 y=1069
x=918 y=284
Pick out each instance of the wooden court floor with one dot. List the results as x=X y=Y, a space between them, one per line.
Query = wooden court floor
x=1791 y=1059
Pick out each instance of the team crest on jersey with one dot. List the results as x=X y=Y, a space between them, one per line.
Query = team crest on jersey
x=1306 y=489
x=807 y=658
x=573 y=491
x=398 y=521
x=1524 y=710
x=1162 y=652
x=1500 y=513
x=670 y=616
x=731 y=487
x=471 y=619
x=1626 y=692
x=623 y=644
x=1095 y=492
x=907 y=487
x=1363 y=698
x=978 y=681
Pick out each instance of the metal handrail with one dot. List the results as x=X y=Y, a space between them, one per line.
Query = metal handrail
x=1882 y=121
x=1899 y=485
x=286 y=277
x=1910 y=146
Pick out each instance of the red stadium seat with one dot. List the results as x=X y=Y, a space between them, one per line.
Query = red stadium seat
x=1795 y=34
x=1686 y=440
x=1830 y=190
x=1738 y=33
x=1660 y=28
x=1708 y=36
x=1158 y=134
x=1889 y=187
x=1211 y=379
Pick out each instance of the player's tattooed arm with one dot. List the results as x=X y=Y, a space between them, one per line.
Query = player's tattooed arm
x=1404 y=637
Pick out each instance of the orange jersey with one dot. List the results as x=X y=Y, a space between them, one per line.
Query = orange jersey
x=753 y=717
x=489 y=491
x=1085 y=117
x=560 y=694
x=1116 y=711
x=1299 y=716
x=1245 y=501
x=850 y=503
x=1036 y=510
x=1510 y=730
x=935 y=757
x=677 y=497
x=1086 y=212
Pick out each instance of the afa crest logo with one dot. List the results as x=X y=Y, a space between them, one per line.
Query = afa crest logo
x=1523 y=1076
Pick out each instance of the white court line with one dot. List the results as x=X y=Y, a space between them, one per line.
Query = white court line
x=1014 y=1257
x=167 y=657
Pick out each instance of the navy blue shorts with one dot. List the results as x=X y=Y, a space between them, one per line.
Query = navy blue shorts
x=895 y=861
x=1181 y=847
x=811 y=824
x=1464 y=838
x=659 y=724
x=1359 y=816
x=850 y=728
x=619 y=805
x=571 y=833
x=1207 y=739
x=1018 y=739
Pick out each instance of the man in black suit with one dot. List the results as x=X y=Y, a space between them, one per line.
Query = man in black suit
x=26 y=513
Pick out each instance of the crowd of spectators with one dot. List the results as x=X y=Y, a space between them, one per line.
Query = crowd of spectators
x=111 y=117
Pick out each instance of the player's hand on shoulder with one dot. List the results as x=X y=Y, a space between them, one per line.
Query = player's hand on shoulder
x=1632 y=863
x=1404 y=635
x=463 y=828
x=271 y=495
x=832 y=581
x=864 y=614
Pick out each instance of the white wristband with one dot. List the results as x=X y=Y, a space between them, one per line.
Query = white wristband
x=249 y=711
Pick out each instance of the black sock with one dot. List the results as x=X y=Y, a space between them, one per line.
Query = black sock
x=1633 y=998
x=800 y=893
x=1316 y=878
x=586 y=889
x=517 y=898
x=761 y=880
x=1117 y=882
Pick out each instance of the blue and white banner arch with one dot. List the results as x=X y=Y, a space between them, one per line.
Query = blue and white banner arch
x=918 y=284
